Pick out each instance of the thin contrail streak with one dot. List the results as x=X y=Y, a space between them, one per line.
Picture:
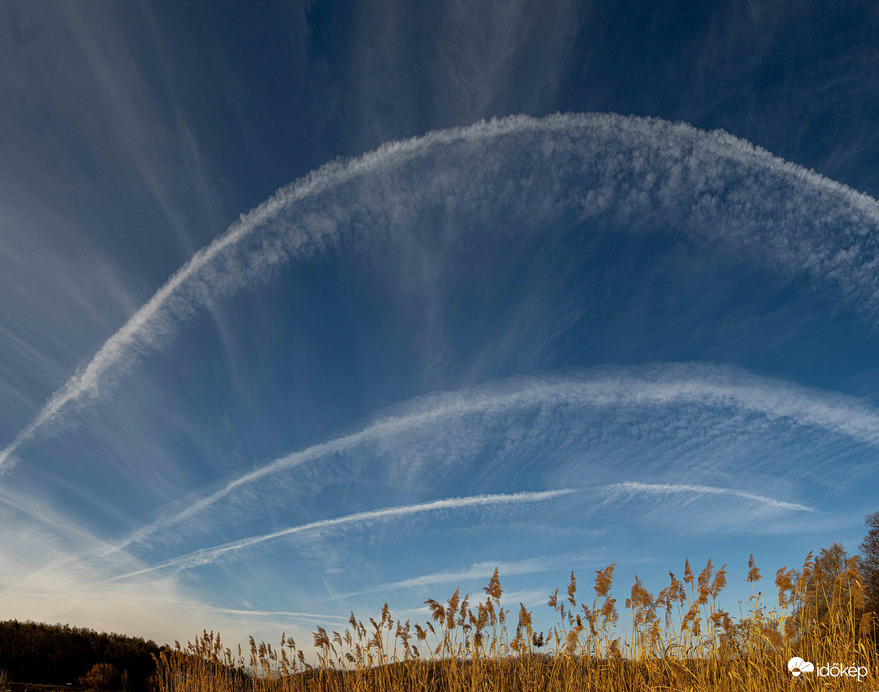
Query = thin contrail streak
x=209 y=555
x=778 y=212
x=485 y=568
x=667 y=489
x=277 y=613
x=479 y=570
x=663 y=385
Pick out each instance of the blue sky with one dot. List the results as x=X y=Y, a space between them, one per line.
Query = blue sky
x=315 y=306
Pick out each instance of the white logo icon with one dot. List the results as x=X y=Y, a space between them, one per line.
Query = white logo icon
x=797 y=665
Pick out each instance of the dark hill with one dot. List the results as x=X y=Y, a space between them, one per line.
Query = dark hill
x=33 y=652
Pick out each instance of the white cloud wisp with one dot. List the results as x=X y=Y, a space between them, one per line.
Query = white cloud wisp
x=208 y=555
x=682 y=488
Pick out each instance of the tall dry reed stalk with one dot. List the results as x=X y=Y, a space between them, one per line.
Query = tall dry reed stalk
x=679 y=640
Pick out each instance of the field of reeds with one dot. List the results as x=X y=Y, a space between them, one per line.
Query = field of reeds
x=679 y=639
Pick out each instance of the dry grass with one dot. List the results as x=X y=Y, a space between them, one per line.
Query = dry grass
x=678 y=640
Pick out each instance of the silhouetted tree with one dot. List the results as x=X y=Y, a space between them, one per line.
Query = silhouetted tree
x=103 y=677
x=831 y=586
x=868 y=562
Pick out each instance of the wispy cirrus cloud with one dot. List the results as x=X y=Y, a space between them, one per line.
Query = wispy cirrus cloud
x=299 y=615
x=762 y=208
x=631 y=487
x=478 y=570
x=208 y=555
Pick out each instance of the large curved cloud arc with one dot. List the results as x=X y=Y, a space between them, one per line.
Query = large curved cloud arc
x=712 y=185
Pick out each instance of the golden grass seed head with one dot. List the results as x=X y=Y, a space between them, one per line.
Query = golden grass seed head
x=493 y=590
x=753 y=571
x=705 y=575
x=688 y=573
x=604 y=581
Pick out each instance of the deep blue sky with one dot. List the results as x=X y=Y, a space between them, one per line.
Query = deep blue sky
x=593 y=338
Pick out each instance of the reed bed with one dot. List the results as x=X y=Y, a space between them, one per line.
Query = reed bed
x=678 y=640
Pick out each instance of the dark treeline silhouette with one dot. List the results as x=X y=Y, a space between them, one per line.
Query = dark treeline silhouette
x=869 y=563
x=34 y=652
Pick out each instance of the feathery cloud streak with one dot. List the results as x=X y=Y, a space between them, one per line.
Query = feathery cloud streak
x=478 y=570
x=674 y=489
x=617 y=387
x=277 y=613
x=714 y=186
x=208 y=555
